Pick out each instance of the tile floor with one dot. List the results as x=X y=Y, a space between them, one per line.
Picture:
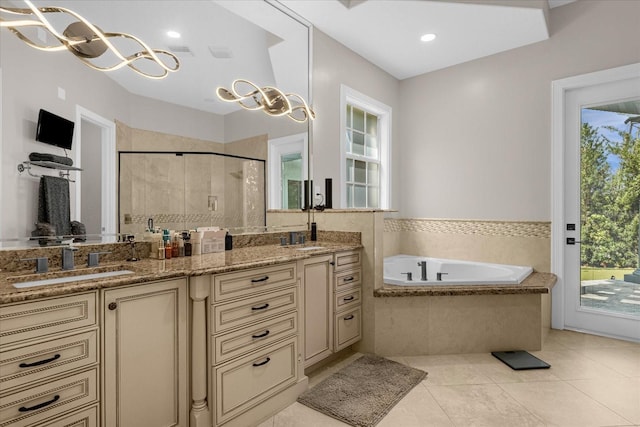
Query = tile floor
x=593 y=381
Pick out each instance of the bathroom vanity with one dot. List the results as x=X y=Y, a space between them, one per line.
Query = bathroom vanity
x=210 y=340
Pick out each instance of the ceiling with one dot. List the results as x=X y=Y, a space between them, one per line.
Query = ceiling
x=387 y=32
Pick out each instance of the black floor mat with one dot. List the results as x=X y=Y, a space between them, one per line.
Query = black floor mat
x=520 y=359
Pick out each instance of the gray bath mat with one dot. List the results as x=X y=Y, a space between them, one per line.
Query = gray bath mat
x=520 y=359
x=363 y=392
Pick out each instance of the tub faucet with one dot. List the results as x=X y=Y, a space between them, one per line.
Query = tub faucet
x=67 y=257
x=423 y=272
x=439 y=276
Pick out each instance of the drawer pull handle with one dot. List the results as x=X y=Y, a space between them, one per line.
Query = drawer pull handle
x=348 y=279
x=267 y=360
x=262 y=279
x=349 y=298
x=40 y=362
x=262 y=335
x=39 y=405
x=262 y=307
x=348 y=317
x=112 y=306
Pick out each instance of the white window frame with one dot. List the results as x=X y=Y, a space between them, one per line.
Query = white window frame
x=383 y=111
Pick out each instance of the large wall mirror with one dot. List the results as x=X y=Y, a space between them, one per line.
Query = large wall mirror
x=121 y=111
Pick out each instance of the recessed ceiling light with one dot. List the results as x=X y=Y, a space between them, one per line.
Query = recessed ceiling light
x=428 y=37
x=173 y=34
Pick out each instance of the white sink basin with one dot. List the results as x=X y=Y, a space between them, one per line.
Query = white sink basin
x=57 y=280
x=309 y=248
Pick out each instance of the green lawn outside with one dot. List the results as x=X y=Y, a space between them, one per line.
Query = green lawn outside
x=591 y=273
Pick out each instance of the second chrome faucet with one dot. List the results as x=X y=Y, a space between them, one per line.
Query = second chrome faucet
x=423 y=270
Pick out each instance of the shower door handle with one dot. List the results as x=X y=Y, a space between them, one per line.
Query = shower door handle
x=573 y=241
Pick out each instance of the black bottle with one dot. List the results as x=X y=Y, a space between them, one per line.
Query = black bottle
x=314 y=232
x=228 y=242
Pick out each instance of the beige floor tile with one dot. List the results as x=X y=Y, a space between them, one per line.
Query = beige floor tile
x=624 y=360
x=501 y=373
x=559 y=403
x=267 y=423
x=483 y=404
x=455 y=375
x=573 y=365
x=578 y=340
x=298 y=415
x=621 y=395
x=424 y=362
x=417 y=409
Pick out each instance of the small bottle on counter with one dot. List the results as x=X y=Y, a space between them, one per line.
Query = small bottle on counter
x=196 y=238
x=175 y=251
x=187 y=243
x=168 y=251
x=160 y=251
x=228 y=242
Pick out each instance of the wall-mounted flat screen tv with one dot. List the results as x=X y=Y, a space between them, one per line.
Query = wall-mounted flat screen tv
x=54 y=130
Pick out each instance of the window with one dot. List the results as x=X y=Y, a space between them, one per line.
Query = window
x=365 y=130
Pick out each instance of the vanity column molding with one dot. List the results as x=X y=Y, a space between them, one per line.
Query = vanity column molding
x=199 y=287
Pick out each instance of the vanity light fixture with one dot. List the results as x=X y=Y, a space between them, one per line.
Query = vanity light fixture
x=269 y=99
x=428 y=37
x=85 y=40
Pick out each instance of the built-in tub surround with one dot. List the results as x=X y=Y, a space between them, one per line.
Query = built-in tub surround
x=408 y=270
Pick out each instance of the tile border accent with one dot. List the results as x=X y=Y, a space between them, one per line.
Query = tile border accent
x=536 y=229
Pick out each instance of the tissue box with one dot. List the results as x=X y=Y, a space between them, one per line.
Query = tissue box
x=213 y=241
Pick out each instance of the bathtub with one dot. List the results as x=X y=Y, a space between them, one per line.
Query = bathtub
x=453 y=272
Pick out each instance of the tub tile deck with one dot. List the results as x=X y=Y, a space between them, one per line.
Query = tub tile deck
x=536 y=283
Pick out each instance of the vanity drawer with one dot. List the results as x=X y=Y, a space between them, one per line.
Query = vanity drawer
x=235 y=343
x=247 y=381
x=239 y=313
x=346 y=300
x=25 y=321
x=346 y=260
x=348 y=328
x=48 y=400
x=84 y=418
x=48 y=358
x=242 y=283
x=347 y=279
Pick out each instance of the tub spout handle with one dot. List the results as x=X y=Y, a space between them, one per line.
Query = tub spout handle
x=409 y=276
x=439 y=275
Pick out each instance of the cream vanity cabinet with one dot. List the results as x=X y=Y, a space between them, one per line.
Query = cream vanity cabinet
x=332 y=304
x=49 y=362
x=254 y=343
x=318 y=308
x=145 y=349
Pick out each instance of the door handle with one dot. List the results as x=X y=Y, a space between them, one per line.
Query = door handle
x=573 y=241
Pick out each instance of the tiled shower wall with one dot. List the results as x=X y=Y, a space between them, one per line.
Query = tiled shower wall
x=503 y=242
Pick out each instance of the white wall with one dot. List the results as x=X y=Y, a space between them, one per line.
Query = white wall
x=333 y=65
x=475 y=138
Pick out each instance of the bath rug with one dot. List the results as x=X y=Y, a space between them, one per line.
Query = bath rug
x=363 y=392
x=520 y=360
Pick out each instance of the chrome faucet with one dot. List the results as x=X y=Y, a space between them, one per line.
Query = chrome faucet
x=423 y=273
x=67 y=257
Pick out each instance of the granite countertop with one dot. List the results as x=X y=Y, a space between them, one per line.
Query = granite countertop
x=536 y=283
x=148 y=269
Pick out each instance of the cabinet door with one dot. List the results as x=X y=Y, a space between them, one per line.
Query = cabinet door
x=145 y=355
x=318 y=309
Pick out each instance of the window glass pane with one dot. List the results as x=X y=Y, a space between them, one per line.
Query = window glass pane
x=373 y=174
x=349 y=170
x=359 y=196
x=348 y=116
x=349 y=141
x=371 y=149
x=358 y=143
x=374 y=199
x=360 y=171
x=358 y=119
x=372 y=124
x=349 y=195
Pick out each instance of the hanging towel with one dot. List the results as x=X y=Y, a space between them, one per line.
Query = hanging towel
x=54 y=206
